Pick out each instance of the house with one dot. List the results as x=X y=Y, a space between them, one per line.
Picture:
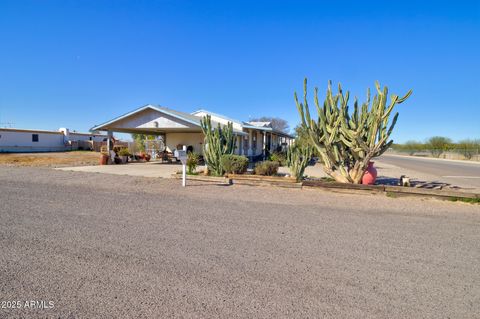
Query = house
x=15 y=140
x=176 y=128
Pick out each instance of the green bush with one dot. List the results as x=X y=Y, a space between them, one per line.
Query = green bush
x=234 y=164
x=192 y=162
x=124 y=152
x=439 y=144
x=468 y=148
x=267 y=168
x=279 y=157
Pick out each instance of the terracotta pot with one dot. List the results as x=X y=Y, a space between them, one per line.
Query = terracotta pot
x=370 y=175
x=103 y=159
x=147 y=157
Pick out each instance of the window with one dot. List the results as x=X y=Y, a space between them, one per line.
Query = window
x=90 y=138
x=34 y=137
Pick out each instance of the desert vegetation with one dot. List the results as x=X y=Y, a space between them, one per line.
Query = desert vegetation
x=347 y=141
x=219 y=141
x=437 y=146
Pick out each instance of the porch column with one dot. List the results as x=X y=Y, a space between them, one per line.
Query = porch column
x=109 y=141
x=250 y=151
x=240 y=146
x=264 y=146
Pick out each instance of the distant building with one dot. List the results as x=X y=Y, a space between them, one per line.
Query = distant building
x=14 y=140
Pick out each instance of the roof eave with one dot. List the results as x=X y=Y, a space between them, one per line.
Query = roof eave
x=102 y=127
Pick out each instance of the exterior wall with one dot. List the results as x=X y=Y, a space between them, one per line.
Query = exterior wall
x=152 y=119
x=193 y=139
x=197 y=139
x=72 y=136
x=21 y=141
x=17 y=140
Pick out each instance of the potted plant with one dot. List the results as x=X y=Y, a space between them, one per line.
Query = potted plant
x=124 y=154
x=103 y=158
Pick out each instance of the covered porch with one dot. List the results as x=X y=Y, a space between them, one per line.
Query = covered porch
x=260 y=142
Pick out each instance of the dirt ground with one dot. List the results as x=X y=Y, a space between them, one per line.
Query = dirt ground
x=111 y=246
x=50 y=159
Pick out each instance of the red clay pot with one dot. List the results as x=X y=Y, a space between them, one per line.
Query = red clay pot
x=103 y=159
x=370 y=175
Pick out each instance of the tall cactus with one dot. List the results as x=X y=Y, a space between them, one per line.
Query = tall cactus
x=348 y=141
x=218 y=141
x=298 y=157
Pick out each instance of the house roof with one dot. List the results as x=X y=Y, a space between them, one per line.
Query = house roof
x=263 y=126
x=30 y=131
x=187 y=117
x=218 y=115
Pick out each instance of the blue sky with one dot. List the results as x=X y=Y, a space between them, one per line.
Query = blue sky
x=79 y=63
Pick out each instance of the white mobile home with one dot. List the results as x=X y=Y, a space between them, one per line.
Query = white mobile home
x=14 y=140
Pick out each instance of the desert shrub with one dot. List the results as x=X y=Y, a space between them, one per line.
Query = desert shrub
x=192 y=162
x=234 y=164
x=468 y=148
x=267 y=168
x=411 y=147
x=438 y=144
x=279 y=157
x=124 y=152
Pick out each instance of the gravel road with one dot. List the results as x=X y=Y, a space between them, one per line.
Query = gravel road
x=106 y=246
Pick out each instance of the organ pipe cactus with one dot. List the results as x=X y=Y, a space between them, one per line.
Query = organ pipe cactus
x=298 y=157
x=348 y=141
x=218 y=141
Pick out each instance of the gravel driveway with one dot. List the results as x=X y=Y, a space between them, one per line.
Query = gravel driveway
x=106 y=246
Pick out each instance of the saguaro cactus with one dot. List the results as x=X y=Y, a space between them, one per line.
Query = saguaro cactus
x=298 y=157
x=218 y=141
x=348 y=141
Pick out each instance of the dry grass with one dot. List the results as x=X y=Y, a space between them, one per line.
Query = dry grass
x=50 y=159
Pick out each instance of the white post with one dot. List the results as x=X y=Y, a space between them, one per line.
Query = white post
x=184 y=173
x=250 y=135
x=264 y=146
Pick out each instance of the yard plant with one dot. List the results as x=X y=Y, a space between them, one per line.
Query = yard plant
x=234 y=164
x=192 y=162
x=347 y=141
x=298 y=157
x=218 y=142
x=280 y=157
x=266 y=168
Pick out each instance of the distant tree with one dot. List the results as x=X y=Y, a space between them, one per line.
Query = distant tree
x=438 y=144
x=412 y=147
x=303 y=140
x=468 y=148
x=277 y=123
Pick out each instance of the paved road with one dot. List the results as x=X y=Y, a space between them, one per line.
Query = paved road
x=449 y=171
x=109 y=246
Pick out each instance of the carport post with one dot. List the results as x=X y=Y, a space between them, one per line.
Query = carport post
x=109 y=141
